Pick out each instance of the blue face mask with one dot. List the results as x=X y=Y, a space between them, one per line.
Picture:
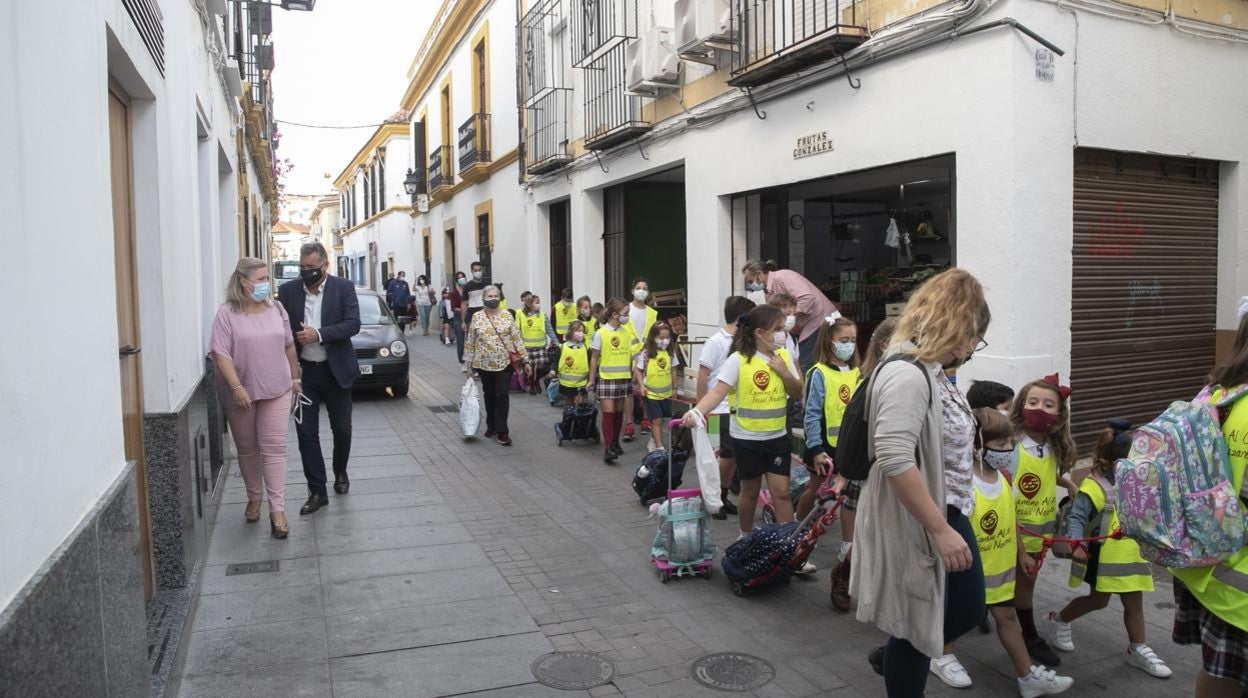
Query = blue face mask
x=260 y=291
x=845 y=350
x=755 y=286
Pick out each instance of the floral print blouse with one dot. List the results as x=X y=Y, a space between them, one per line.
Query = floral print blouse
x=491 y=340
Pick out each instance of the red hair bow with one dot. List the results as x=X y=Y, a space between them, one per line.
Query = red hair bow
x=1053 y=380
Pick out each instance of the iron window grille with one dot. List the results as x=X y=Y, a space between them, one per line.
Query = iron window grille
x=474 y=141
x=611 y=115
x=442 y=167
x=546 y=132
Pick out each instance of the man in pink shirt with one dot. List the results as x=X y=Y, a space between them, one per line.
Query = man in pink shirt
x=812 y=305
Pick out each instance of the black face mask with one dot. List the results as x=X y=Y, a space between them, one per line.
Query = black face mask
x=311 y=277
x=491 y=303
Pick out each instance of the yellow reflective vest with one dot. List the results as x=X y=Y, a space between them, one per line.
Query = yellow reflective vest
x=615 y=353
x=573 y=368
x=995 y=532
x=1223 y=589
x=652 y=316
x=1035 y=495
x=762 y=401
x=659 y=376
x=532 y=329
x=838 y=387
x=1119 y=567
x=565 y=313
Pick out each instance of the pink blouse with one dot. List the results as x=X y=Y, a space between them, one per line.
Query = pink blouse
x=257 y=346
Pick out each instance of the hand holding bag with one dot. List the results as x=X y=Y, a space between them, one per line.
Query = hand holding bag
x=708 y=467
x=469 y=409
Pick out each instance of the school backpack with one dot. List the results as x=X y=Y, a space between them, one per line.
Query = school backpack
x=650 y=481
x=851 y=458
x=1175 y=496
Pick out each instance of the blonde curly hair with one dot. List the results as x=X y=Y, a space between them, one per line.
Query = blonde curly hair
x=945 y=313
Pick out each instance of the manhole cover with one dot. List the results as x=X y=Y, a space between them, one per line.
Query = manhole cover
x=731 y=671
x=573 y=671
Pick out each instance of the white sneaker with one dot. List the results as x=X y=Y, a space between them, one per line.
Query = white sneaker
x=1059 y=633
x=807 y=568
x=947 y=668
x=1146 y=660
x=1043 y=682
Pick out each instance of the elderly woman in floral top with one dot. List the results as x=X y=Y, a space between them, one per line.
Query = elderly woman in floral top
x=493 y=339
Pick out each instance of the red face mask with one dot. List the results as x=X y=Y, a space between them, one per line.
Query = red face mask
x=1039 y=420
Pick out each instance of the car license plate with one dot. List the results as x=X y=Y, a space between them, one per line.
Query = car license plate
x=366 y=369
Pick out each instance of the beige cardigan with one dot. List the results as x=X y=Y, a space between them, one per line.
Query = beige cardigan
x=897 y=579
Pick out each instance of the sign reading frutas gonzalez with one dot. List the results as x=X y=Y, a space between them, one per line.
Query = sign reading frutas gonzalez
x=813 y=144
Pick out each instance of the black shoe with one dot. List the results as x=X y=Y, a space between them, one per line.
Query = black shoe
x=609 y=456
x=341 y=483
x=616 y=449
x=314 y=503
x=720 y=515
x=1041 y=653
x=876 y=659
x=729 y=507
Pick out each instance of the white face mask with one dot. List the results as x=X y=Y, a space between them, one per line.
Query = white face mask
x=641 y=294
x=779 y=339
x=789 y=322
x=662 y=343
x=537 y=307
x=578 y=337
x=623 y=319
x=477 y=275
x=844 y=350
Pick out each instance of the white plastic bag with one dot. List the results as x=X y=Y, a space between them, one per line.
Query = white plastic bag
x=469 y=409
x=708 y=468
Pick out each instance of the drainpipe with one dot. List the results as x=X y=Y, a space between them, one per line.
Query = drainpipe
x=520 y=139
x=1009 y=22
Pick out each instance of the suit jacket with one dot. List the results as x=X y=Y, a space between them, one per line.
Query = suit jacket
x=340 y=321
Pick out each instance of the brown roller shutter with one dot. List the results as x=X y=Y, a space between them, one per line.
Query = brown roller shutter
x=1144 y=285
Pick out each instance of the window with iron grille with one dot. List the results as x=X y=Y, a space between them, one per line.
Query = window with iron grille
x=420 y=158
x=601 y=25
x=611 y=115
x=483 y=244
x=545 y=83
x=381 y=180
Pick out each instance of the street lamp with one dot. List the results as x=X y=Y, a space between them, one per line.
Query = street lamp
x=409 y=182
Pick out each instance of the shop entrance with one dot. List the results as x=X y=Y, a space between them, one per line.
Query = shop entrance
x=1144 y=287
x=644 y=235
x=867 y=238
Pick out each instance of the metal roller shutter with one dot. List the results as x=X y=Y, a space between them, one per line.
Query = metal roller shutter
x=1144 y=285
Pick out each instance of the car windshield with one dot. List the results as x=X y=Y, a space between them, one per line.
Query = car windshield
x=373 y=311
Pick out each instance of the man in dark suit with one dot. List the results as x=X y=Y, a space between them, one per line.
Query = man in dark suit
x=324 y=315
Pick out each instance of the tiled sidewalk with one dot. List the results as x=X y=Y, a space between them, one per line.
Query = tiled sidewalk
x=451 y=566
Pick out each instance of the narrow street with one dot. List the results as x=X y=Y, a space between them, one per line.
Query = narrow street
x=452 y=566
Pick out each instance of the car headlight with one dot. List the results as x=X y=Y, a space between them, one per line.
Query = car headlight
x=383 y=352
x=398 y=348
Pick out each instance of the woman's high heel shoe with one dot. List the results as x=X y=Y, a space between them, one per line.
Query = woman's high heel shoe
x=279 y=525
x=252 y=513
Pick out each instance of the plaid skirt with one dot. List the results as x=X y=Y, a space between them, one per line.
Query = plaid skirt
x=614 y=389
x=1223 y=647
x=537 y=356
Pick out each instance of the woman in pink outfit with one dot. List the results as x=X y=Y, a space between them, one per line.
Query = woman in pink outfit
x=813 y=307
x=257 y=372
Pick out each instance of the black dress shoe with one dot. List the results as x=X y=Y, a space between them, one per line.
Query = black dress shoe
x=341 y=483
x=1041 y=653
x=314 y=503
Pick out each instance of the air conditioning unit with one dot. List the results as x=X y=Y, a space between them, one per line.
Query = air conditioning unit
x=653 y=66
x=702 y=28
x=422 y=203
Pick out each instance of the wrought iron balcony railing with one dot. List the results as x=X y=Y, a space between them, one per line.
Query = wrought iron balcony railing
x=442 y=168
x=474 y=142
x=779 y=37
x=546 y=132
x=612 y=116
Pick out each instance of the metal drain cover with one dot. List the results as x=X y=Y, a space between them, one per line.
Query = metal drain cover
x=732 y=671
x=251 y=567
x=573 y=671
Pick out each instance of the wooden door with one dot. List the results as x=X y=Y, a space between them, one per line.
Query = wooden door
x=128 y=339
x=448 y=252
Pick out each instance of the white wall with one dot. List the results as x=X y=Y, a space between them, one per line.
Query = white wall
x=62 y=426
x=1013 y=137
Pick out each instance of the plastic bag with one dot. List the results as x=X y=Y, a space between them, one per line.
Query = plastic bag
x=708 y=468
x=469 y=409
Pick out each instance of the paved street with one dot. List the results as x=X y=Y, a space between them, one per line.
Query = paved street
x=452 y=566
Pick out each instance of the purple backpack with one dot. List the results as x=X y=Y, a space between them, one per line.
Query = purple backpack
x=1175 y=496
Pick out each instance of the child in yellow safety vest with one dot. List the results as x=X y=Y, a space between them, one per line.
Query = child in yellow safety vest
x=829 y=385
x=572 y=370
x=585 y=313
x=655 y=372
x=1108 y=566
x=1044 y=455
x=538 y=337
x=763 y=377
x=611 y=374
x=1002 y=554
x=563 y=313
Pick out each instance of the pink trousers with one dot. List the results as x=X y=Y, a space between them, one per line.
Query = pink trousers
x=260 y=437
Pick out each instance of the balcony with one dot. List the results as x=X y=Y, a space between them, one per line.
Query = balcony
x=474 y=148
x=612 y=116
x=781 y=37
x=441 y=172
x=546 y=133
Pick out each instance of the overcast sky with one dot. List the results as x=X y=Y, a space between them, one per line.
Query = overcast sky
x=344 y=63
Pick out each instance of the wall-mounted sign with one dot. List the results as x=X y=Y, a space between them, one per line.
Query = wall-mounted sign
x=813 y=144
x=1046 y=65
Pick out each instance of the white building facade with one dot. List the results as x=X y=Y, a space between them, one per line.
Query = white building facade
x=376 y=228
x=1087 y=169
x=113 y=444
x=461 y=97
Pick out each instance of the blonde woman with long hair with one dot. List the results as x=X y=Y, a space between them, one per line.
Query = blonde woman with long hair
x=257 y=372
x=916 y=573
